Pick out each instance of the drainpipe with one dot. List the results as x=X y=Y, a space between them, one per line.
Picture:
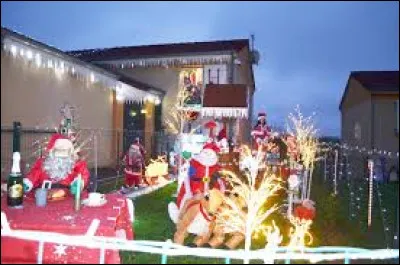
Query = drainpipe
x=232 y=69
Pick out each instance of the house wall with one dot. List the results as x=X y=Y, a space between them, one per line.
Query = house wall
x=242 y=75
x=168 y=80
x=385 y=122
x=356 y=108
x=34 y=96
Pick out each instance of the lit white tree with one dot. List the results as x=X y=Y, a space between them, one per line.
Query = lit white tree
x=253 y=193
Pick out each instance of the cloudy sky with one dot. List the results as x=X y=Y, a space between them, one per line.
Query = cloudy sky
x=307 y=49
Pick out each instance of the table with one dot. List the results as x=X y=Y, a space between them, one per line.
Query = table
x=60 y=217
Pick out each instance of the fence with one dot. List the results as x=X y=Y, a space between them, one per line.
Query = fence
x=102 y=149
x=168 y=249
x=371 y=195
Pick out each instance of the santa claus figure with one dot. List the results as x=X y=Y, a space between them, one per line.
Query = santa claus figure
x=60 y=165
x=261 y=132
x=203 y=169
x=134 y=165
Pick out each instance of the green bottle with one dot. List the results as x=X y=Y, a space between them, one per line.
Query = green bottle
x=15 y=185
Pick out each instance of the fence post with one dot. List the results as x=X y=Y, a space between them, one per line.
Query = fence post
x=164 y=256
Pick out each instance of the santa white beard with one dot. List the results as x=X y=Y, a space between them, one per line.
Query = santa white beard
x=58 y=168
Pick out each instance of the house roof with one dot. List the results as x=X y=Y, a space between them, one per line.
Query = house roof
x=378 y=81
x=159 y=50
x=225 y=96
x=374 y=81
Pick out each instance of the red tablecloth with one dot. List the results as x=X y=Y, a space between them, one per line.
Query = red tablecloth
x=60 y=217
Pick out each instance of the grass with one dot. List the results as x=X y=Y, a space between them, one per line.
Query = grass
x=332 y=226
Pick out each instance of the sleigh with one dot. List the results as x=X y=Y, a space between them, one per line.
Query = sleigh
x=156 y=171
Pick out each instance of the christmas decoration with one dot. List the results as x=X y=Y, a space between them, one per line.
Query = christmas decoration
x=261 y=132
x=63 y=64
x=60 y=250
x=219 y=112
x=157 y=170
x=254 y=197
x=134 y=166
x=197 y=217
x=202 y=172
x=60 y=165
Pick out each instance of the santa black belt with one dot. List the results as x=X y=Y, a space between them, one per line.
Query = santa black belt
x=59 y=186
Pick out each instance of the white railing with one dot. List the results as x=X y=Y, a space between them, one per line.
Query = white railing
x=168 y=249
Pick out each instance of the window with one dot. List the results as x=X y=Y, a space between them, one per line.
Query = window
x=215 y=74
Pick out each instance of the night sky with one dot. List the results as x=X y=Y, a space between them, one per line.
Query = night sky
x=307 y=49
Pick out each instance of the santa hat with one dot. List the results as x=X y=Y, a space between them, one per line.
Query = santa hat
x=212 y=146
x=54 y=138
x=211 y=125
x=261 y=115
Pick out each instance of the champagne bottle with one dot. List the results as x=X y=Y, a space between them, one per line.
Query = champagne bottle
x=15 y=188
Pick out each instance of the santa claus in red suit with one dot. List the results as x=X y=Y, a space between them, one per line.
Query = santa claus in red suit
x=60 y=165
x=203 y=170
x=134 y=165
x=261 y=132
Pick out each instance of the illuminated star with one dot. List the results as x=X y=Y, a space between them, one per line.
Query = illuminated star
x=60 y=250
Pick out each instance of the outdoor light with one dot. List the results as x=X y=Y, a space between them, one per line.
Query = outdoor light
x=29 y=55
x=13 y=50
x=143 y=111
x=38 y=60
x=133 y=113
x=119 y=97
x=91 y=77
x=157 y=101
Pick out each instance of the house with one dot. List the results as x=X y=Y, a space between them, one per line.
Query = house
x=37 y=80
x=370 y=111
x=219 y=74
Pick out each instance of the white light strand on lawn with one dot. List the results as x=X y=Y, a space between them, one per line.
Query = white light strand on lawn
x=383 y=210
x=61 y=66
x=371 y=191
x=326 y=146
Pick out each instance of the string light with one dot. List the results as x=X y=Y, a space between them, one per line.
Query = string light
x=28 y=51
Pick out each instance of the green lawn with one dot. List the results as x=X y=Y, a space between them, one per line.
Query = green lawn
x=331 y=227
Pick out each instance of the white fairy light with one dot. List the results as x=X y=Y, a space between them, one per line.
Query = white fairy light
x=13 y=50
x=29 y=55
x=38 y=60
x=371 y=190
x=92 y=77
